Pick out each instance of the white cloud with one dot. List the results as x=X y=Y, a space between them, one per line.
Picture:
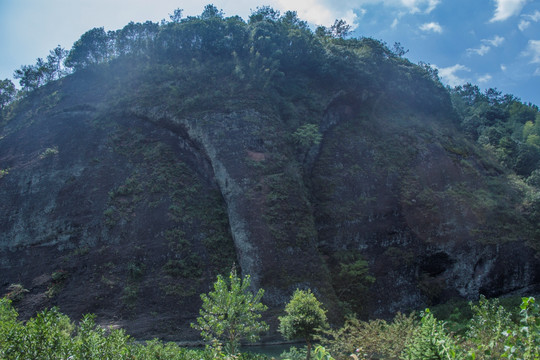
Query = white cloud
x=537 y=72
x=482 y=50
x=486 y=45
x=527 y=19
x=533 y=51
x=432 y=26
x=507 y=8
x=394 y=23
x=449 y=76
x=535 y=16
x=484 y=78
x=496 y=41
x=414 y=6
x=503 y=67
x=324 y=12
x=523 y=24
x=432 y=5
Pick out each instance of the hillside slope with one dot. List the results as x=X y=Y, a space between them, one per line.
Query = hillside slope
x=307 y=159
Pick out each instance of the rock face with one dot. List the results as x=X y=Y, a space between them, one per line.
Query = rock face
x=128 y=209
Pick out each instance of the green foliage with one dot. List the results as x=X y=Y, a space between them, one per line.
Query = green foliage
x=485 y=330
x=135 y=39
x=30 y=76
x=50 y=151
x=92 y=48
x=501 y=124
x=372 y=339
x=54 y=68
x=307 y=135
x=269 y=53
x=51 y=335
x=210 y=12
x=431 y=341
x=59 y=275
x=7 y=93
x=351 y=279
x=57 y=284
x=320 y=353
x=534 y=178
x=47 y=335
x=523 y=340
x=9 y=326
x=456 y=313
x=304 y=319
x=231 y=312
x=16 y=292
x=33 y=76
x=294 y=353
x=491 y=333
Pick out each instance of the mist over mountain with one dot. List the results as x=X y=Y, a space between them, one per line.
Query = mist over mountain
x=145 y=161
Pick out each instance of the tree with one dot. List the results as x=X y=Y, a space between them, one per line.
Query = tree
x=30 y=76
x=264 y=13
x=430 y=71
x=211 y=12
x=7 y=92
x=322 y=32
x=291 y=20
x=137 y=38
x=55 y=63
x=399 y=50
x=176 y=16
x=340 y=29
x=305 y=316
x=92 y=48
x=231 y=312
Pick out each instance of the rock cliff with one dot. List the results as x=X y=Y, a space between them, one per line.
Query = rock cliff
x=127 y=189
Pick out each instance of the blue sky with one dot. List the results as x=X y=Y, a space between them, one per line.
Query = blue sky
x=491 y=43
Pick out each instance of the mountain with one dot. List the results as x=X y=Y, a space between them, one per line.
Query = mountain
x=309 y=160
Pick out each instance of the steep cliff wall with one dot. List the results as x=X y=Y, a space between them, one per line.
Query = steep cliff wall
x=126 y=191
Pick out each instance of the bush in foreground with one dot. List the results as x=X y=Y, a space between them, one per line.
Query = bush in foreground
x=51 y=335
x=490 y=334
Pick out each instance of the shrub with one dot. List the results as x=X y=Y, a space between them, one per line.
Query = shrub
x=58 y=281
x=16 y=292
x=294 y=353
x=523 y=340
x=485 y=331
x=431 y=341
x=49 y=152
x=372 y=339
x=51 y=335
x=3 y=172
